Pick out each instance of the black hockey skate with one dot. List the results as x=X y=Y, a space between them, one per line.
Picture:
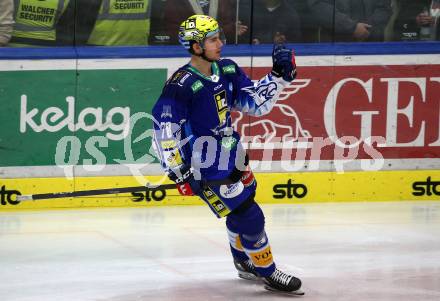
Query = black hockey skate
x=246 y=269
x=282 y=282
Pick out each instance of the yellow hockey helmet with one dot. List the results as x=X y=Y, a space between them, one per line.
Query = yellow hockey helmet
x=197 y=28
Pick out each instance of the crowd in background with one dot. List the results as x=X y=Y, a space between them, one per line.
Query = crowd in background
x=37 y=23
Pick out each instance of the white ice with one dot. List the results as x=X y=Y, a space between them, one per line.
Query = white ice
x=341 y=251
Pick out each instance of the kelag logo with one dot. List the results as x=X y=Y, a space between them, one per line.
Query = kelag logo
x=426 y=188
x=148 y=195
x=7 y=196
x=289 y=190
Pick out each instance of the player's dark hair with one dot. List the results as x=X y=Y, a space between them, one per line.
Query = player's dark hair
x=191 y=50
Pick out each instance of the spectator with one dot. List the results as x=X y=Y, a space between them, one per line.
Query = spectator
x=351 y=20
x=6 y=21
x=158 y=34
x=77 y=22
x=309 y=26
x=54 y=22
x=272 y=21
x=417 y=21
x=36 y=22
x=174 y=12
x=122 y=23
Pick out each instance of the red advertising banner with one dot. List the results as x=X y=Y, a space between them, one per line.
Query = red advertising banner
x=356 y=112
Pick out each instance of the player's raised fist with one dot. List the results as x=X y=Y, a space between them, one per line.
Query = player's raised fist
x=283 y=60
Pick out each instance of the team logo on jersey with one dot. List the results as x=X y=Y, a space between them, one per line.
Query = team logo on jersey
x=263 y=93
x=180 y=77
x=222 y=105
x=231 y=191
x=196 y=86
x=229 y=69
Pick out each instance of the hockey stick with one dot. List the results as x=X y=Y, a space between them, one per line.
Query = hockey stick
x=57 y=195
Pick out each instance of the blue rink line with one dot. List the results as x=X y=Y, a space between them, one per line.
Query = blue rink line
x=228 y=51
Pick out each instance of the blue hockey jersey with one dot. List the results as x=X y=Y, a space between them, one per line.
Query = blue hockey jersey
x=193 y=126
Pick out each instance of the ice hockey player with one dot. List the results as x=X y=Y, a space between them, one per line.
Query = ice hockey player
x=197 y=145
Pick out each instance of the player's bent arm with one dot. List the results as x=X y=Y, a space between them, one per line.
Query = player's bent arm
x=258 y=99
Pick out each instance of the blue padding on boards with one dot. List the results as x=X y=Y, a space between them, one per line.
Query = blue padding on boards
x=228 y=50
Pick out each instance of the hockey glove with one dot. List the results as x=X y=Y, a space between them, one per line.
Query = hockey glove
x=186 y=184
x=283 y=60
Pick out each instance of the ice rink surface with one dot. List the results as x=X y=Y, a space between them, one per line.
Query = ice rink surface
x=342 y=251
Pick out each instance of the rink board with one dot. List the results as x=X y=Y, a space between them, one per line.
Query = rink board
x=282 y=188
x=76 y=112
x=74 y=109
